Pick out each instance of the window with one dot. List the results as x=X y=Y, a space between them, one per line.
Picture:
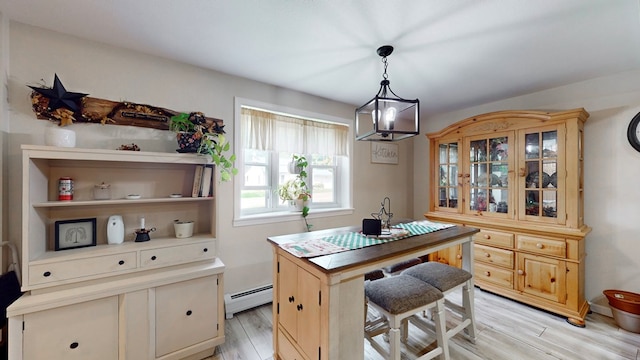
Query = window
x=266 y=139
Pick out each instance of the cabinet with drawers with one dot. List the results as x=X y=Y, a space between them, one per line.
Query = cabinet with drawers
x=161 y=298
x=518 y=176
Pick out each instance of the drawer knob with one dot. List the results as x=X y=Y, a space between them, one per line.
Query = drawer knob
x=487 y=254
x=539 y=245
x=153 y=257
x=189 y=312
x=520 y=272
x=205 y=250
x=299 y=307
x=486 y=273
x=121 y=262
x=487 y=236
x=47 y=273
x=74 y=345
x=291 y=299
x=458 y=256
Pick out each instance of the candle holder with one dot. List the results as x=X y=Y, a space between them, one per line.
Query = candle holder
x=142 y=235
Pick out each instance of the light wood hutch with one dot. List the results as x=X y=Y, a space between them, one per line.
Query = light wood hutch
x=160 y=299
x=518 y=176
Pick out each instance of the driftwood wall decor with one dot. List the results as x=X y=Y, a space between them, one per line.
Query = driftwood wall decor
x=56 y=104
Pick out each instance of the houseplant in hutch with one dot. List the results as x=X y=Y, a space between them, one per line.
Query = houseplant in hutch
x=196 y=134
x=295 y=191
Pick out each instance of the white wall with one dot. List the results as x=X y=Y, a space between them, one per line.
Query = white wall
x=118 y=74
x=4 y=121
x=612 y=170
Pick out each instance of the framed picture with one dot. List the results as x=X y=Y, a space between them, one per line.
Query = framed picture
x=73 y=234
x=384 y=153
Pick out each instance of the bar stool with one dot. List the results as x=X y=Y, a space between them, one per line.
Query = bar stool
x=447 y=278
x=399 y=267
x=397 y=299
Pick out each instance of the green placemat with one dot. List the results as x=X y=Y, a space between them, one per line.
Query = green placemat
x=356 y=240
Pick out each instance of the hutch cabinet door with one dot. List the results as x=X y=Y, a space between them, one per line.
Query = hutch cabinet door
x=81 y=331
x=448 y=176
x=542 y=170
x=488 y=169
x=186 y=314
x=542 y=277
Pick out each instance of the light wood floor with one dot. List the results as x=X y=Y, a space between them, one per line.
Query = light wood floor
x=507 y=330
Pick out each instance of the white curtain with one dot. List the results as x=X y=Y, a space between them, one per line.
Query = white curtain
x=263 y=130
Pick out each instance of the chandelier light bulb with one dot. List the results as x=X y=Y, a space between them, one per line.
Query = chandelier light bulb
x=390 y=117
x=375 y=115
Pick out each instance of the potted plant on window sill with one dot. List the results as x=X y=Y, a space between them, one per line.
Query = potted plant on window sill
x=295 y=191
x=195 y=134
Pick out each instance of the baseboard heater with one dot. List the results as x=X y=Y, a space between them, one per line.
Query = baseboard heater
x=240 y=301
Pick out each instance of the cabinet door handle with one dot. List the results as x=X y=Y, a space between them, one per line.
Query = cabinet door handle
x=47 y=273
x=521 y=172
x=520 y=272
x=205 y=250
x=299 y=307
x=189 y=312
x=291 y=299
x=121 y=262
x=153 y=257
x=74 y=345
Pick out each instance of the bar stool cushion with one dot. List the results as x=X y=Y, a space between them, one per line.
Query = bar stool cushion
x=444 y=277
x=374 y=275
x=401 y=265
x=399 y=294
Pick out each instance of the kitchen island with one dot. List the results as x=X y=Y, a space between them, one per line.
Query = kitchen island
x=318 y=302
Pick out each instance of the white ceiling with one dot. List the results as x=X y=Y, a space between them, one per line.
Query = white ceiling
x=450 y=54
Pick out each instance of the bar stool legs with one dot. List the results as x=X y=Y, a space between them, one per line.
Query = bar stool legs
x=447 y=279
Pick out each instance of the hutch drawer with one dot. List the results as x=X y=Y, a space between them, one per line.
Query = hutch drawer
x=493 y=275
x=542 y=246
x=177 y=254
x=499 y=257
x=495 y=238
x=79 y=268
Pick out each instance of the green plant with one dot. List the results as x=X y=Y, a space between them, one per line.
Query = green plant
x=296 y=188
x=216 y=145
x=207 y=137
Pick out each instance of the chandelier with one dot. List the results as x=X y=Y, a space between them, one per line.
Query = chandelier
x=387 y=117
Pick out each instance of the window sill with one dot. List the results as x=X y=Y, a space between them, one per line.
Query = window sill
x=285 y=216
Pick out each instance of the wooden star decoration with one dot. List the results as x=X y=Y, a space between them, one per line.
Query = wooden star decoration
x=59 y=97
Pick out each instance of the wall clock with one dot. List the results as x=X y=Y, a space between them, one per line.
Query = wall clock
x=633 y=132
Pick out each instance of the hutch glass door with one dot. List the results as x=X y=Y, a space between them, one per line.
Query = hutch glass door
x=448 y=182
x=541 y=165
x=489 y=174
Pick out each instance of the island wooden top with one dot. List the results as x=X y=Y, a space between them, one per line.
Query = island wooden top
x=351 y=258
